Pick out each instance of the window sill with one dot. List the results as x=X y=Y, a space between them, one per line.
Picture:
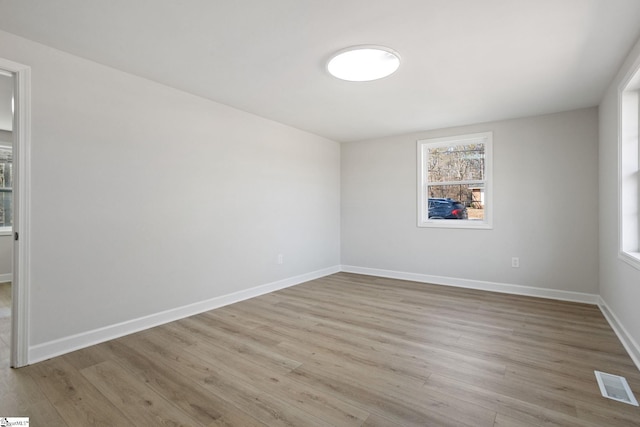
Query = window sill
x=455 y=223
x=6 y=231
x=631 y=258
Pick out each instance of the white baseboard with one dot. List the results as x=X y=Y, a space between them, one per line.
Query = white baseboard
x=40 y=352
x=625 y=338
x=65 y=345
x=7 y=277
x=477 y=284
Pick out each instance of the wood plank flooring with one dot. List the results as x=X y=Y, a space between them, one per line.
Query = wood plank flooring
x=344 y=350
x=5 y=321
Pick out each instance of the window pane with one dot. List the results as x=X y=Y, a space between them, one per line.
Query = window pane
x=443 y=199
x=456 y=163
x=454 y=181
x=6 y=184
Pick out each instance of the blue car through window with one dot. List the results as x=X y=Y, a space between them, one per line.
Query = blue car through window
x=446 y=208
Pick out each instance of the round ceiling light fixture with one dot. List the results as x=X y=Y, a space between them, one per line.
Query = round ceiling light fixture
x=363 y=63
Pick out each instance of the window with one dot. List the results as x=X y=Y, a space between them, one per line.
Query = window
x=454 y=181
x=6 y=189
x=629 y=170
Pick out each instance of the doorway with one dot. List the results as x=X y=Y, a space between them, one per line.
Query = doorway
x=19 y=201
x=7 y=85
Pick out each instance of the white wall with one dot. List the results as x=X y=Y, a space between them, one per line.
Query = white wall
x=619 y=282
x=145 y=198
x=5 y=138
x=545 y=195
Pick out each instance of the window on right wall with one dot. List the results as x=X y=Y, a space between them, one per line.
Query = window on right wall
x=629 y=169
x=454 y=181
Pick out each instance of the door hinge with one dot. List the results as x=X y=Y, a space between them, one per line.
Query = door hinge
x=15 y=236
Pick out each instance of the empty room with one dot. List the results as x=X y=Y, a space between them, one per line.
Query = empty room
x=320 y=213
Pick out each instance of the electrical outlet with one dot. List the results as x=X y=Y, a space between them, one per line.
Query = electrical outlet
x=515 y=262
x=280 y=259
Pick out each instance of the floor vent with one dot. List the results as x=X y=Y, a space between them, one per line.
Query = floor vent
x=615 y=387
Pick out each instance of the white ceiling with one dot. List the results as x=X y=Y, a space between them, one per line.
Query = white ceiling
x=463 y=61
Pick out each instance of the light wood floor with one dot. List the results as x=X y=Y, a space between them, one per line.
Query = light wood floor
x=345 y=350
x=5 y=322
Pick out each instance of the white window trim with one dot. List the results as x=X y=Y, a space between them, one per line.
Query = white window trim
x=631 y=258
x=487 y=223
x=628 y=251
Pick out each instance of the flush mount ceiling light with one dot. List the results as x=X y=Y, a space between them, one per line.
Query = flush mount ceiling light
x=363 y=63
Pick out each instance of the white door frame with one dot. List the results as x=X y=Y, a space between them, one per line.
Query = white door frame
x=21 y=211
